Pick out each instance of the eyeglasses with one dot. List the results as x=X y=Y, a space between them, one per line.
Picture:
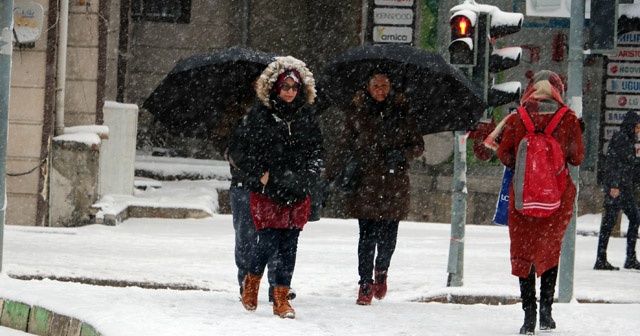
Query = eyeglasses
x=287 y=87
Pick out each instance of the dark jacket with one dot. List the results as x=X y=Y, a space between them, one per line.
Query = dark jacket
x=382 y=137
x=620 y=161
x=289 y=149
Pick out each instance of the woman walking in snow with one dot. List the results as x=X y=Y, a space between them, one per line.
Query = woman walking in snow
x=278 y=148
x=231 y=112
x=383 y=141
x=536 y=241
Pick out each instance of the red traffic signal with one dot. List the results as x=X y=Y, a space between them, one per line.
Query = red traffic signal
x=461 y=27
x=462 y=24
x=462 y=50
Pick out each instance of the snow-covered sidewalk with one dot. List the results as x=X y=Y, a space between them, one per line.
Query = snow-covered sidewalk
x=199 y=254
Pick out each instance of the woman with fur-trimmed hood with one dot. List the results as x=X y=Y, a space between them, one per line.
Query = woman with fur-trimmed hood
x=278 y=149
x=536 y=241
x=383 y=139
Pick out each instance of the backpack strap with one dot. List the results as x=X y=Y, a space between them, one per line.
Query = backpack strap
x=551 y=126
x=526 y=120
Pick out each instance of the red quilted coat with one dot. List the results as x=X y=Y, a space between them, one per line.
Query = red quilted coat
x=537 y=241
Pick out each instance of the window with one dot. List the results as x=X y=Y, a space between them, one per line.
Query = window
x=177 y=11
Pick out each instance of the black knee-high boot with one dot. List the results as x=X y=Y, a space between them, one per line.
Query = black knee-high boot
x=547 y=290
x=528 y=295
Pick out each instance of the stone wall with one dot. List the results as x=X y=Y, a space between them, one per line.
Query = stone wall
x=74 y=182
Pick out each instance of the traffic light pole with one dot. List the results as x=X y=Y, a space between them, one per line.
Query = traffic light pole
x=6 y=48
x=480 y=73
x=574 y=97
x=470 y=50
x=455 y=267
x=479 y=76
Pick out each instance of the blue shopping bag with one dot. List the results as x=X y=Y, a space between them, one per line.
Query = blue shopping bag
x=502 y=206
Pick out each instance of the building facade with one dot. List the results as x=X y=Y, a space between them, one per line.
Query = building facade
x=121 y=50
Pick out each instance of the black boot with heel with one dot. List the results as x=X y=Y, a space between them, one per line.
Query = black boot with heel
x=528 y=295
x=547 y=290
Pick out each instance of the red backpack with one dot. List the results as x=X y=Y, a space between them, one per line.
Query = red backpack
x=540 y=174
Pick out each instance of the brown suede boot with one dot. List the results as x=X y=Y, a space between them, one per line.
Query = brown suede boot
x=281 y=306
x=250 y=287
x=365 y=293
x=380 y=285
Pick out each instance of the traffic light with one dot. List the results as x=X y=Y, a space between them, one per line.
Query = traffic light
x=494 y=24
x=462 y=49
x=603 y=25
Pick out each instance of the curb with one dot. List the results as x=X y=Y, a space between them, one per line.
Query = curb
x=494 y=300
x=40 y=321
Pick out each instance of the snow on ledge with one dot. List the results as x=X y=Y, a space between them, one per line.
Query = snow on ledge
x=89 y=139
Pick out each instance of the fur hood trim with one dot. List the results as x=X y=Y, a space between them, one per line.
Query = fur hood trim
x=270 y=75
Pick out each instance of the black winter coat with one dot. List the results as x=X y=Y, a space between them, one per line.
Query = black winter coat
x=620 y=162
x=289 y=151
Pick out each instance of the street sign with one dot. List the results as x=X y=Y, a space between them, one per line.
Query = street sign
x=398 y=3
x=632 y=38
x=622 y=101
x=618 y=69
x=631 y=85
x=630 y=54
x=390 y=34
x=614 y=116
x=390 y=21
x=609 y=130
x=392 y=16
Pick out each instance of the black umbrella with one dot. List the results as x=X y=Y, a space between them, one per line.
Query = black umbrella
x=188 y=100
x=440 y=96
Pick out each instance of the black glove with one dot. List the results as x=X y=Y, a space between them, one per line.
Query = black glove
x=395 y=156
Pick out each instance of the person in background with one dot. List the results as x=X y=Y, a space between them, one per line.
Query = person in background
x=278 y=147
x=536 y=241
x=383 y=139
x=619 y=192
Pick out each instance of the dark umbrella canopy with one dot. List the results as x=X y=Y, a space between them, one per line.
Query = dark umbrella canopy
x=188 y=100
x=440 y=96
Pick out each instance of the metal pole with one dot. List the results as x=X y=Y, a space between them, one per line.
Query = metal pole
x=574 y=97
x=458 y=212
x=6 y=48
x=61 y=78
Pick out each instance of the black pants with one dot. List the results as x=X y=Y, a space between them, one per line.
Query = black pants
x=612 y=206
x=381 y=234
x=284 y=244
